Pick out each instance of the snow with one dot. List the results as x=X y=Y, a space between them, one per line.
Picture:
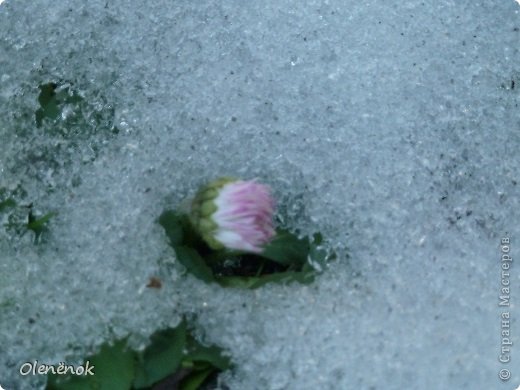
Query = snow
x=390 y=128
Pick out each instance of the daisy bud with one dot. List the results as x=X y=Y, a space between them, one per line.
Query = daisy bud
x=234 y=214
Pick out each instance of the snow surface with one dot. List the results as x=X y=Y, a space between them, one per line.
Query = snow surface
x=391 y=127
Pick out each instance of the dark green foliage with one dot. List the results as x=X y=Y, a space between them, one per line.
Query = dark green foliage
x=173 y=357
x=7 y=204
x=114 y=368
x=162 y=357
x=38 y=224
x=50 y=101
x=72 y=117
x=285 y=259
x=19 y=218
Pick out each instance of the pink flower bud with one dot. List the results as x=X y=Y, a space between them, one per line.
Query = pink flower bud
x=234 y=214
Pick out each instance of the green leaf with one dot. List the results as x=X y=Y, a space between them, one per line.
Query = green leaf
x=58 y=382
x=37 y=225
x=287 y=249
x=113 y=369
x=183 y=239
x=162 y=357
x=172 y=353
x=200 y=353
x=318 y=258
x=253 y=282
x=47 y=99
x=7 y=303
x=238 y=281
x=114 y=366
x=171 y=222
x=179 y=230
x=194 y=263
x=50 y=101
x=8 y=203
x=285 y=259
x=195 y=379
